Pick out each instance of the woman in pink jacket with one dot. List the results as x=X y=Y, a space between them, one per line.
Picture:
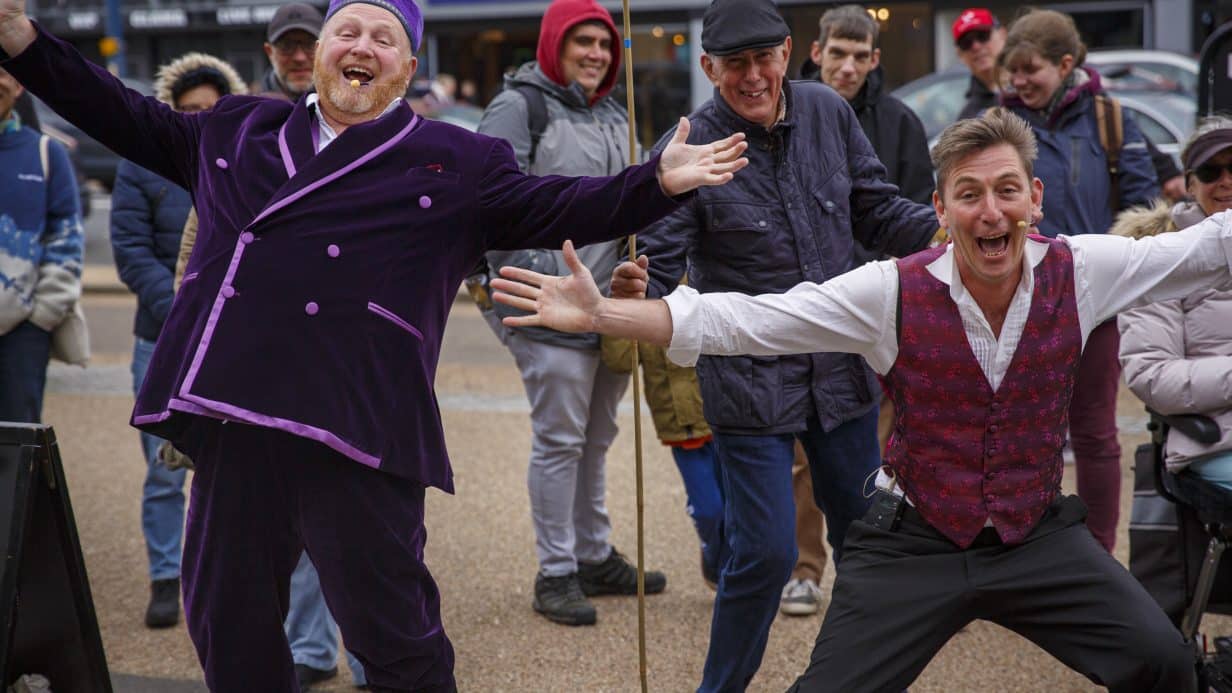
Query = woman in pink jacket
x=1177 y=355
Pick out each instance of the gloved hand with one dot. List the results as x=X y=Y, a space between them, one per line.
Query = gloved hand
x=173 y=459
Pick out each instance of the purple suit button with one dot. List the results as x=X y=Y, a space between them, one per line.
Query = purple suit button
x=425 y=201
x=228 y=291
x=246 y=237
x=312 y=308
x=221 y=163
x=333 y=250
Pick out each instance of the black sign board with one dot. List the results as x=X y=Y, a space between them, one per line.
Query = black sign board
x=1215 y=73
x=47 y=620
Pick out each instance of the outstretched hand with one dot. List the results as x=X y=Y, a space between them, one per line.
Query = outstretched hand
x=569 y=303
x=16 y=31
x=684 y=167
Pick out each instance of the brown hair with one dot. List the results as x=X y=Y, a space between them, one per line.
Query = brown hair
x=1050 y=34
x=850 y=22
x=995 y=127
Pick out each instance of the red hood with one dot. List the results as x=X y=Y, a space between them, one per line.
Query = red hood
x=560 y=17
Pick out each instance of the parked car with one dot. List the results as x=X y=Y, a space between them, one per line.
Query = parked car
x=96 y=162
x=1158 y=87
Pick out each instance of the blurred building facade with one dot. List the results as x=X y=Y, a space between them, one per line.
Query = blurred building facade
x=480 y=40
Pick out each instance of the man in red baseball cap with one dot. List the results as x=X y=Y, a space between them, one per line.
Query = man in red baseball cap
x=979 y=38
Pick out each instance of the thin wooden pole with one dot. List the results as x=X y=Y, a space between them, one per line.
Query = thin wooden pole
x=637 y=389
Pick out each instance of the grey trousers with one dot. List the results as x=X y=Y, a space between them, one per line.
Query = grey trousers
x=573 y=399
x=901 y=594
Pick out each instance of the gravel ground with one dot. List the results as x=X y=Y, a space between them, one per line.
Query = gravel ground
x=480 y=549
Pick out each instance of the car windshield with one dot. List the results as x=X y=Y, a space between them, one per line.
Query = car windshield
x=938 y=101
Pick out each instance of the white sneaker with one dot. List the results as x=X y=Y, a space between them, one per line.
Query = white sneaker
x=800 y=598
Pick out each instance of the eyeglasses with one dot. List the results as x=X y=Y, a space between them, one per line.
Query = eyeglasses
x=1209 y=173
x=289 y=47
x=969 y=39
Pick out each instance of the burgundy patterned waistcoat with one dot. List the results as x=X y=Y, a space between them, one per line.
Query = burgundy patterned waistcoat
x=960 y=451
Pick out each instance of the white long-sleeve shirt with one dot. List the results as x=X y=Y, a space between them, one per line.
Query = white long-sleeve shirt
x=856 y=312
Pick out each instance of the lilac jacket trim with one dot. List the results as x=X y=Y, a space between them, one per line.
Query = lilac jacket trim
x=151 y=418
x=193 y=404
x=395 y=319
x=285 y=151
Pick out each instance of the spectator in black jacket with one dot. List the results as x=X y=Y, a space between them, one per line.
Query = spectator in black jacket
x=147 y=216
x=849 y=60
x=846 y=58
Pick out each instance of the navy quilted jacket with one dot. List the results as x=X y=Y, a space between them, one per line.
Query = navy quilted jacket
x=813 y=186
x=147 y=217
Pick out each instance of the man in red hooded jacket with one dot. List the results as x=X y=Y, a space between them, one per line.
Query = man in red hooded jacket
x=573 y=396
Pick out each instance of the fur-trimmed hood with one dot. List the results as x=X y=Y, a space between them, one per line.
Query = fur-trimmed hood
x=1140 y=222
x=177 y=69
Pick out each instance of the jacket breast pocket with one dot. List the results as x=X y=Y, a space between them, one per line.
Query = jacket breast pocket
x=739 y=229
x=833 y=197
x=427 y=174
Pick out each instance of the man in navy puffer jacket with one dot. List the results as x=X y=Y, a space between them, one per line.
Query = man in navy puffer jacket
x=147 y=218
x=813 y=188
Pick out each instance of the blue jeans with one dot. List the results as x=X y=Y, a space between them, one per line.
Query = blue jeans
x=310 y=627
x=24 y=352
x=1216 y=469
x=699 y=469
x=162 y=496
x=760 y=528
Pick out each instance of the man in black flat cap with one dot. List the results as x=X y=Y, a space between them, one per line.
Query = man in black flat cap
x=812 y=188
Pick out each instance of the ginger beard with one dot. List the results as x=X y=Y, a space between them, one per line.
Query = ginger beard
x=369 y=98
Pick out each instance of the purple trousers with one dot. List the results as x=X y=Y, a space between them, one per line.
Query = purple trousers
x=260 y=496
x=1093 y=432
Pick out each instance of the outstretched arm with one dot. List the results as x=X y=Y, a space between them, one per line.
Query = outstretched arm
x=851 y=313
x=541 y=212
x=138 y=128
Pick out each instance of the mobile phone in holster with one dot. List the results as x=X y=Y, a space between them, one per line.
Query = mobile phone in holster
x=886 y=511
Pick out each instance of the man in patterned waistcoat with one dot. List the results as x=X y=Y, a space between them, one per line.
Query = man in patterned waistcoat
x=296 y=365
x=978 y=342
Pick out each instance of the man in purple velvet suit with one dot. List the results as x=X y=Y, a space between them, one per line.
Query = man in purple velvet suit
x=297 y=362
x=979 y=343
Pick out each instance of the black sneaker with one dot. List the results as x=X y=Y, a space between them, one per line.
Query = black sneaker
x=560 y=599
x=164 y=608
x=616 y=576
x=306 y=675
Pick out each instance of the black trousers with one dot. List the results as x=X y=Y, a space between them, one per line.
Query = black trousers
x=901 y=593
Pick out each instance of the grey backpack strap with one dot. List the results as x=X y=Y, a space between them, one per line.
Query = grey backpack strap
x=536 y=117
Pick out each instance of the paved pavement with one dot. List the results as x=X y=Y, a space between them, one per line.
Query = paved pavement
x=481 y=546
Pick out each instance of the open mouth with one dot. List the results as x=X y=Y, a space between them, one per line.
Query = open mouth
x=357 y=74
x=753 y=95
x=994 y=246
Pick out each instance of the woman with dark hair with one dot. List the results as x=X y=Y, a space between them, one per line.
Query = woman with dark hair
x=1057 y=96
x=147 y=217
x=1177 y=354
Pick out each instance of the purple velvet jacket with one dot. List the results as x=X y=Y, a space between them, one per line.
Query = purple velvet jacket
x=316 y=296
x=962 y=452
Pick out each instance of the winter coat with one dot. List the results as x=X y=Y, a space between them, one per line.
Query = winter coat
x=1073 y=166
x=813 y=186
x=41 y=239
x=147 y=216
x=148 y=213
x=979 y=98
x=1177 y=354
x=672 y=392
x=580 y=139
x=897 y=135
